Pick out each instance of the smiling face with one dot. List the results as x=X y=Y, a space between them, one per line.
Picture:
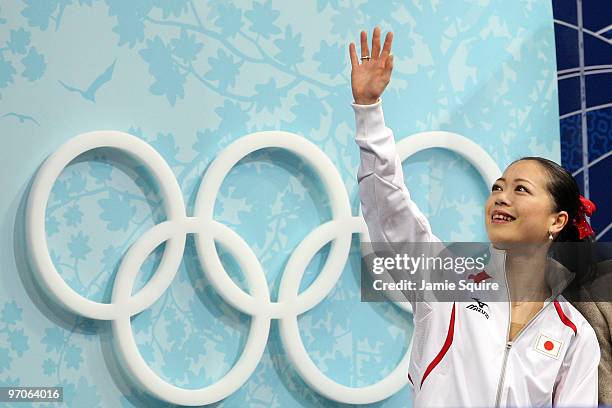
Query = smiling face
x=520 y=207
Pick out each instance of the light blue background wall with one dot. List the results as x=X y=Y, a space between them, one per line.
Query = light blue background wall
x=191 y=77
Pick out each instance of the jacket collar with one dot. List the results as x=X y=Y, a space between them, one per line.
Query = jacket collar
x=558 y=277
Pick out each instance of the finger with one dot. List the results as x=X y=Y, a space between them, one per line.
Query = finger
x=387 y=46
x=389 y=63
x=364 y=44
x=353 y=54
x=376 y=43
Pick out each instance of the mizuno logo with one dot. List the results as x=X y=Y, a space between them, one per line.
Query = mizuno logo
x=479 y=307
x=480 y=304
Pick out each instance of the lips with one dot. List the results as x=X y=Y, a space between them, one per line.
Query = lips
x=501 y=217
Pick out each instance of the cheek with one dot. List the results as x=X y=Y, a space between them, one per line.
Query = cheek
x=534 y=214
x=488 y=204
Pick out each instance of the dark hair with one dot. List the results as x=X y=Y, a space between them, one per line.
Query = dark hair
x=565 y=193
x=574 y=253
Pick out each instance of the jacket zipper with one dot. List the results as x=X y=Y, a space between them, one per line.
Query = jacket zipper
x=510 y=343
x=508 y=346
x=503 y=374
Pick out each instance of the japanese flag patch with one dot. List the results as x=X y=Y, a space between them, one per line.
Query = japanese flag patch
x=548 y=346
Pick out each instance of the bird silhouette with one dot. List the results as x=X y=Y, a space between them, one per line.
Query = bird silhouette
x=22 y=118
x=90 y=93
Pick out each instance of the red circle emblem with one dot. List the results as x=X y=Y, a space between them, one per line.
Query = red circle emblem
x=548 y=345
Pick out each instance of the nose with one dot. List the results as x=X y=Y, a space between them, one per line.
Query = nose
x=501 y=198
x=500 y=201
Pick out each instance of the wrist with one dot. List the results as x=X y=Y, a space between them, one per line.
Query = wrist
x=364 y=101
x=369 y=120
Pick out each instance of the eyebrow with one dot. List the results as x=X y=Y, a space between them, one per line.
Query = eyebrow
x=518 y=179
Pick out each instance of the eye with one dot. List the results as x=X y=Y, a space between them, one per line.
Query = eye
x=496 y=187
x=521 y=188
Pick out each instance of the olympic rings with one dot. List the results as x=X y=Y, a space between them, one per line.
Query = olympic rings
x=207 y=231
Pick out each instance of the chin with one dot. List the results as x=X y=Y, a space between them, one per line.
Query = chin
x=503 y=244
x=513 y=243
x=503 y=241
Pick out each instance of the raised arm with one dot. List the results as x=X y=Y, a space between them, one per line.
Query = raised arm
x=389 y=212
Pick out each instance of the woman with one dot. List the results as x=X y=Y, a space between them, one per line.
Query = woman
x=540 y=352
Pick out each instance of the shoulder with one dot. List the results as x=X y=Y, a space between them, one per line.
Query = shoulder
x=574 y=319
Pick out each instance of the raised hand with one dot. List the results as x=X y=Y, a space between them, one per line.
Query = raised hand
x=370 y=77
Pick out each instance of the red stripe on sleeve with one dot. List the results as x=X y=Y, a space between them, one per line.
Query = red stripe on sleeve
x=445 y=347
x=566 y=321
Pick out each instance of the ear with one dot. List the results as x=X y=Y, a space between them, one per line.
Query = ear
x=559 y=221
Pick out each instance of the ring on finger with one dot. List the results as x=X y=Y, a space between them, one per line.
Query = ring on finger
x=366 y=57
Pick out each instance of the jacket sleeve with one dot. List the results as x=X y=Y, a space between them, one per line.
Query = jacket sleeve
x=577 y=382
x=391 y=216
x=388 y=210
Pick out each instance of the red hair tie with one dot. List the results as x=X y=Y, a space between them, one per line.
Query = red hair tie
x=587 y=208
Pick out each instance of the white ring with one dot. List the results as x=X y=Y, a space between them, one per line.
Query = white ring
x=38 y=197
x=257 y=304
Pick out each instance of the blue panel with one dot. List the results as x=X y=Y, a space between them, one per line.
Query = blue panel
x=566 y=44
x=569 y=95
x=596 y=14
x=598 y=89
x=596 y=51
x=571 y=143
x=565 y=10
x=600 y=132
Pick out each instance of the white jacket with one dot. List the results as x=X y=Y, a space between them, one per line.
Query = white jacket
x=460 y=356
